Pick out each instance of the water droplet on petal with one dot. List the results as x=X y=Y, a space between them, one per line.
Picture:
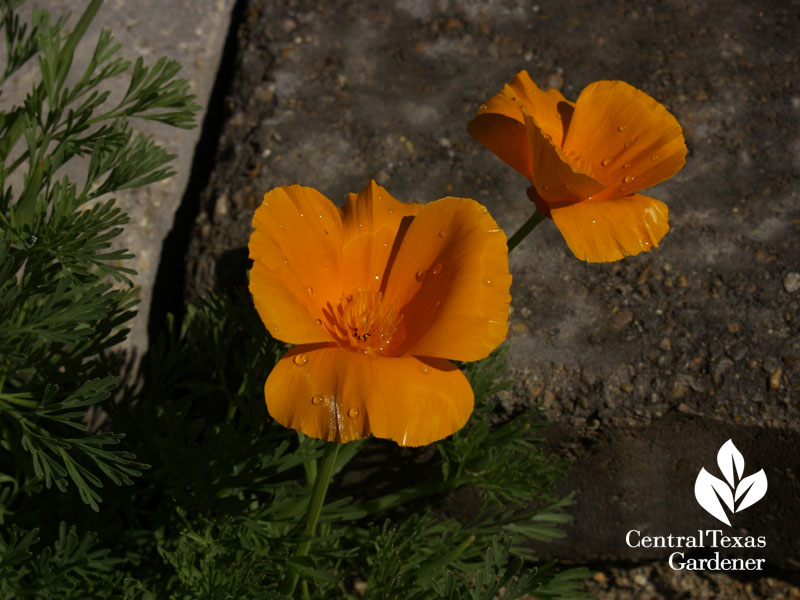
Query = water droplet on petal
x=627 y=179
x=654 y=157
x=437 y=269
x=391 y=210
x=318 y=321
x=360 y=224
x=420 y=275
x=488 y=281
x=606 y=162
x=302 y=214
x=593 y=221
x=377 y=277
x=424 y=370
x=547 y=188
x=280 y=225
x=626 y=166
x=286 y=261
x=316 y=399
x=310 y=290
x=301 y=360
x=622 y=128
x=442 y=233
x=385 y=244
x=484 y=107
x=628 y=144
x=352 y=413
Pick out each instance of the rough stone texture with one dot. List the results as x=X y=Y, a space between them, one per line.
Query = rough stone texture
x=646 y=366
x=190 y=31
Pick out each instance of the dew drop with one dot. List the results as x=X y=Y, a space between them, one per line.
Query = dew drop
x=391 y=210
x=626 y=166
x=316 y=399
x=568 y=186
x=360 y=224
x=437 y=269
x=318 y=321
x=310 y=290
x=385 y=244
x=352 y=413
x=488 y=281
x=320 y=216
x=654 y=157
x=606 y=162
x=547 y=188
x=286 y=261
x=442 y=233
x=594 y=221
x=628 y=144
x=281 y=225
x=484 y=107
x=377 y=277
x=627 y=179
x=424 y=370
x=647 y=243
x=302 y=214
x=622 y=128
x=420 y=275
x=301 y=360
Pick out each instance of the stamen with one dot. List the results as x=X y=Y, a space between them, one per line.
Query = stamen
x=362 y=321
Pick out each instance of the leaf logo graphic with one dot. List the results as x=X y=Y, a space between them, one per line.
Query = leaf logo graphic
x=734 y=493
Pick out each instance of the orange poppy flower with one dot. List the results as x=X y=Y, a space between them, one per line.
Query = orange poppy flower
x=587 y=159
x=379 y=296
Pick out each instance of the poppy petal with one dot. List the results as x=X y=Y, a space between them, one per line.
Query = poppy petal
x=371 y=221
x=296 y=249
x=499 y=124
x=609 y=230
x=628 y=140
x=337 y=395
x=557 y=179
x=450 y=282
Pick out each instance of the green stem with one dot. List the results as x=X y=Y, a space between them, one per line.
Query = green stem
x=526 y=228
x=312 y=514
x=410 y=493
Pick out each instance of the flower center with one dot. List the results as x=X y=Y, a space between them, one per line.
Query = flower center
x=363 y=321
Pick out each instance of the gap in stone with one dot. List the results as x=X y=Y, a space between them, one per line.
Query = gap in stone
x=168 y=289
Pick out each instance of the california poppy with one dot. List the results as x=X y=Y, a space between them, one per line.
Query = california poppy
x=587 y=159
x=379 y=296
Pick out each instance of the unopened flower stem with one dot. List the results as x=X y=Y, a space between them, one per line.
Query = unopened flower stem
x=524 y=230
x=315 y=504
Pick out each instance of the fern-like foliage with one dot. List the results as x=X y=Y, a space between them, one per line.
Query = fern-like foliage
x=65 y=293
